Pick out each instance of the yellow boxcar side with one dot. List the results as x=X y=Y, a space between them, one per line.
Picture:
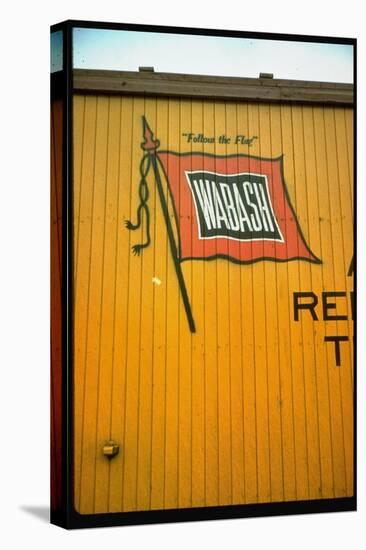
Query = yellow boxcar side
x=251 y=408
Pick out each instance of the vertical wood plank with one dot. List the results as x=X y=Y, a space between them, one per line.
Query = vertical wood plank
x=92 y=358
x=198 y=352
x=131 y=397
x=173 y=305
x=293 y=177
x=145 y=300
x=339 y=282
x=285 y=318
x=223 y=345
x=271 y=342
x=260 y=353
x=346 y=206
x=235 y=350
x=105 y=366
x=121 y=304
x=211 y=351
x=307 y=219
x=247 y=305
x=82 y=265
x=315 y=357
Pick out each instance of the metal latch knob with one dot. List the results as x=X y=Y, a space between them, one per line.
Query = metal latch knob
x=110 y=449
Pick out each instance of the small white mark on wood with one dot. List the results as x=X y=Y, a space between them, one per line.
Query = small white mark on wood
x=156 y=281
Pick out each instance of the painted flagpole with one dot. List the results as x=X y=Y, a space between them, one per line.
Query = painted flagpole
x=151 y=146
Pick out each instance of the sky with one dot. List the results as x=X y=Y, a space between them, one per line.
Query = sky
x=192 y=54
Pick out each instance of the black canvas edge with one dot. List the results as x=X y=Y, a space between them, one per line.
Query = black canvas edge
x=67 y=516
x=209 y=513
x=203 y=31
x=62 y=88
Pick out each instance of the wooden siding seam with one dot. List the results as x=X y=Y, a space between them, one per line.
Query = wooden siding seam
x=311 y=286
x=289 y=334
x=332 y=202
x=345 y=286
x=87 y=319
x=127 y=325
x=278 y=333
x=110 y=434
x=241 y=350
x=102 y=301
x=322 y=286
x=331 y=408
x=296 y=187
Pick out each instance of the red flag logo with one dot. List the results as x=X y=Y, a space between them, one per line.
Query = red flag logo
x=234 y=207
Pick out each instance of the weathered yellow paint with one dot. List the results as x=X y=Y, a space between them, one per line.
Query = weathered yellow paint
x=250 y=408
